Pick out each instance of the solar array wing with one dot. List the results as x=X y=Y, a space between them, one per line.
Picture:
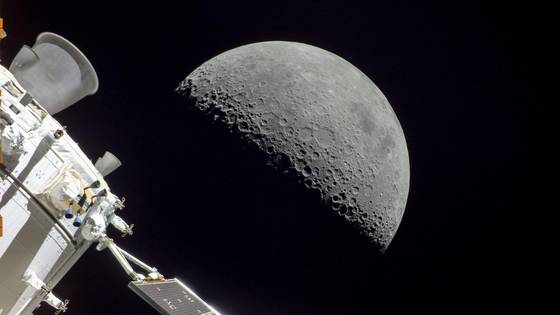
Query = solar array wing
x=171 y=297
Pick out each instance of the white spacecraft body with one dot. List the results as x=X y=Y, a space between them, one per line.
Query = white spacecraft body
x=54 y=202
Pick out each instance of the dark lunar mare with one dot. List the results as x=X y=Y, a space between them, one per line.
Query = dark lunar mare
x=316 y=115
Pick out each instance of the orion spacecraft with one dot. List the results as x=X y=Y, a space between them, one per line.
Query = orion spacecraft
x=54 y=201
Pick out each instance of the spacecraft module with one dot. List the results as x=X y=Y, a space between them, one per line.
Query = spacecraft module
x=54 y=202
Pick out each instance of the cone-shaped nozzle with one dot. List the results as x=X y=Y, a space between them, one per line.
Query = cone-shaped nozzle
x=55 y=72
x=107 y=164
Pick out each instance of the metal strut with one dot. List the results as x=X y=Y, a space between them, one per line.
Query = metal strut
x=123 y=258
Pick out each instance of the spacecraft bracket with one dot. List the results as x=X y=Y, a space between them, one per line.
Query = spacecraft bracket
x=32 y=280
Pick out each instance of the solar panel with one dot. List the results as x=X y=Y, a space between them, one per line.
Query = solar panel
x=171 y=297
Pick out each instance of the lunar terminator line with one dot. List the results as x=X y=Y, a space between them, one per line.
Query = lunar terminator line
x=312 y=112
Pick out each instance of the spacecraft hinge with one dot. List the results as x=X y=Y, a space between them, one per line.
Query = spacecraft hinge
x=119 y=203
x=119 y=224
x=31 y=279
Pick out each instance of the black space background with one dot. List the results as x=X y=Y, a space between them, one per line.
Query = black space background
x=251 y=241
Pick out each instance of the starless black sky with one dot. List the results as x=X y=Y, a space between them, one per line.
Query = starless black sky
x=251 y=241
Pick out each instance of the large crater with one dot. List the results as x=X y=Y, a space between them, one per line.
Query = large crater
x=314 y=114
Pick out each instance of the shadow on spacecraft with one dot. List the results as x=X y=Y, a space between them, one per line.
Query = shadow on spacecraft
x=311 y=112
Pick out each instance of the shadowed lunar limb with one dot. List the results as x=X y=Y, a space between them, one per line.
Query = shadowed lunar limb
x=315 y=114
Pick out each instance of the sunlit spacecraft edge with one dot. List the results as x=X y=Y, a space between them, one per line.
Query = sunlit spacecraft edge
x=54 y=202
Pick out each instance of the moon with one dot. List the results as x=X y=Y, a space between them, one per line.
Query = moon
x=313 y=113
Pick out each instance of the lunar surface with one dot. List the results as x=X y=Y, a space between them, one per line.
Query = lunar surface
x=313 y=113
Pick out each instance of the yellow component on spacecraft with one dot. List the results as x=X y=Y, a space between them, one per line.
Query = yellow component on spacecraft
x=150 y=278
x=76 y=209
x=2 y=32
